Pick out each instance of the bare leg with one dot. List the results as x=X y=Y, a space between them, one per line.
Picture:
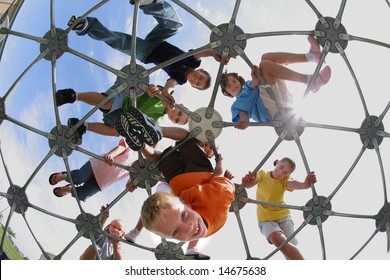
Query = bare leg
x=284 y=57
x=89 y=253
x=93 y=98
x=289 y=250
x=151 y=154
x=101 y=128
x=272 y=71
x=174 y=133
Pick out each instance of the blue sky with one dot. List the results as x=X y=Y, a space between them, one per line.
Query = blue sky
x=330 y=153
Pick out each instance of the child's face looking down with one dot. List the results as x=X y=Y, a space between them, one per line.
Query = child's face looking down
x=233 y=86
x=180 y=222
x=197 y=79
x=281 y=170
x=116 y=228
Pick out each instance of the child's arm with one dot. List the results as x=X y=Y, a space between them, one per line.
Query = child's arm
x=116 y=249
x=243 y=118
x=255 y=81
x=212 y=53
x=110 y=156
x=169 y=87
x=218 y=170
x=174 y=133
x=249 y=180
x=309 y=180
x=129 y=185
x=105 y=216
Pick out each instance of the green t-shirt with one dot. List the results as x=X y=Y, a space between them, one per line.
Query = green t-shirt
x=152 y=107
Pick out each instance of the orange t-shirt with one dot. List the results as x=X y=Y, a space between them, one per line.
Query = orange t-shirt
x=209 y=196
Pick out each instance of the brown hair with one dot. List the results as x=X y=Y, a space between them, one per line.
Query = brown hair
x=208 y=82
x=223 y=82
x=288 y=160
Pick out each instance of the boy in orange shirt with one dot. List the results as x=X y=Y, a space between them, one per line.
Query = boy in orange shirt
x=201 y=197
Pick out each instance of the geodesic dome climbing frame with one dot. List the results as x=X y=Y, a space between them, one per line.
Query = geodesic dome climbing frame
x=227 y=39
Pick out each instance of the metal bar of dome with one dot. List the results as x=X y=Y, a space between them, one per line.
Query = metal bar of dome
x=304 y=223
x=151 y=70
x=242 y=231
x=314 y=76
x=333 y=127
x=5 y=167
x=215 y=89
x=350 y=37
x=269 y=153
x=67 y=31
x=363 y=149
x=348 y=215
x=382 y=115
x=247 y=36
x=272 y=204
x=54 y=89
x=368 y=241
x=33 y=235
x=11 y=12
x=344 y=56
x=7 y=31
x=211 y=26
x=337 y=21
x=93 y=241
x=73 y=189
x=318 y=14
x=43 y=161
x=322 y=239
x=388 y=236
x=5 y=228
x=52 y=23
x=52 y=214
x=308 y=170
x=377 y=150
x=39 y=57
x=232 y=22
x=117 y=72
x=133 y=61
x=26 y=126
x=125 y=167
x=114 y=92
x=218 y=124
x=67 y=247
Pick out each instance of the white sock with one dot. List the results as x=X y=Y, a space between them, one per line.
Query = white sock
x=310 y=57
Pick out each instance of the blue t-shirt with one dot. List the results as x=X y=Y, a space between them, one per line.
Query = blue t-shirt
x=248 y=100
x=177 y=70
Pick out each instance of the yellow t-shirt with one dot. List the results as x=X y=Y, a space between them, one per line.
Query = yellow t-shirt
x=271 y=190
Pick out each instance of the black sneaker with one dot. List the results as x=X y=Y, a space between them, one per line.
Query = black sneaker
x=79 y=26
x=142 y=2
x=132 y=136
x=149 y=130
x=64 y=96
x=80 y=130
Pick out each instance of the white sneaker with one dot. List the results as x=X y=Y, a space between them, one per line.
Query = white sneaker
x=131 y=236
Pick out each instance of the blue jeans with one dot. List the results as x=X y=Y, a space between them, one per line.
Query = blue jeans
x=168 y=24
x=85 y=181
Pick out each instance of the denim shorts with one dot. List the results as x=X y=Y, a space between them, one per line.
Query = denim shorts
x=111 y=116
x=284 y=225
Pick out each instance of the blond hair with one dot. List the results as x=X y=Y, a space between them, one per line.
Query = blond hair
x=153 y=209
